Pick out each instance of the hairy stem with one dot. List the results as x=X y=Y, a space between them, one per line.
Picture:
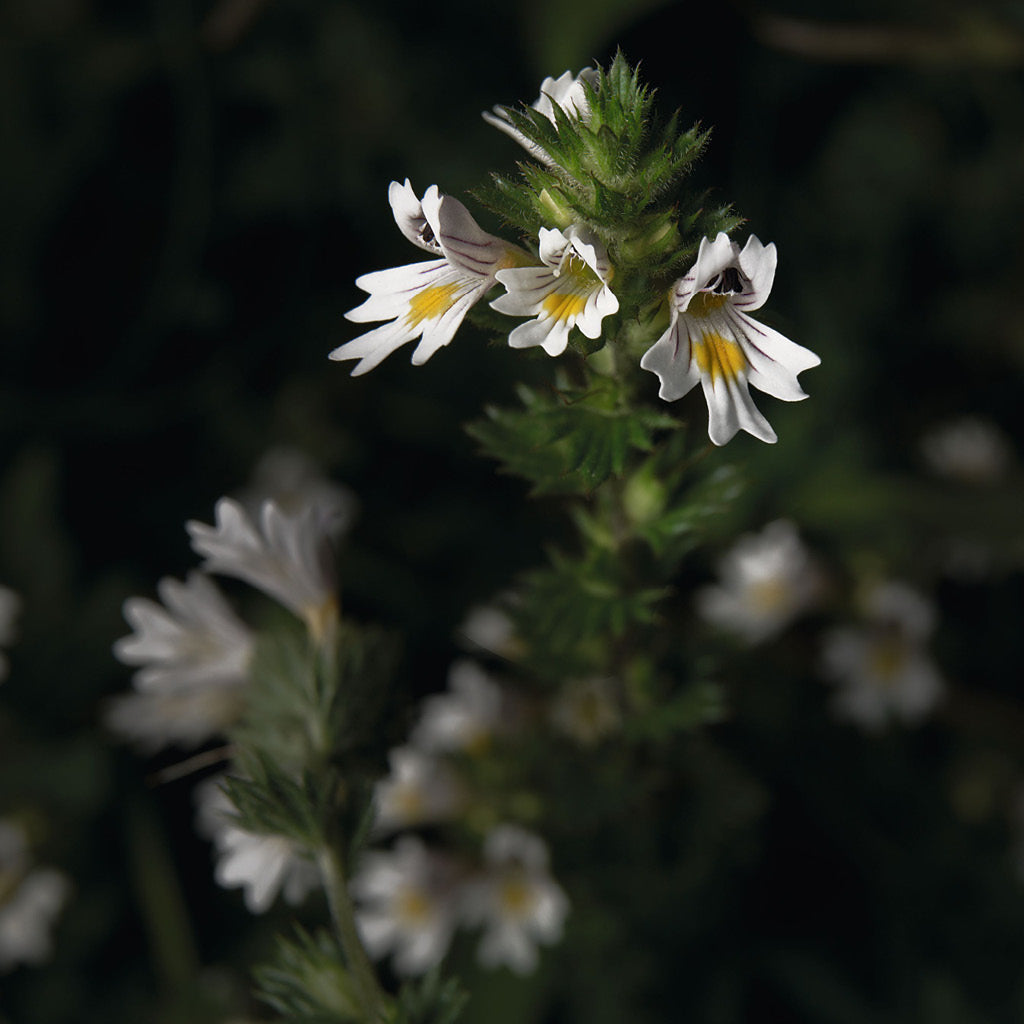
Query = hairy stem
x=370 y=994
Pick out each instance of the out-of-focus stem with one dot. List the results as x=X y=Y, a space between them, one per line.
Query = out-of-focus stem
x=369 y=992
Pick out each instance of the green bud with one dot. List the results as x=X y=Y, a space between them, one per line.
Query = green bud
x=659 y=241
x=552 y=205
x=644 y=496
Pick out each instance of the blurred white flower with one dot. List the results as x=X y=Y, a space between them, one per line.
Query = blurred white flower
x=30 y=900
x=193 y=639
x=464 y=719
x=587 y=710
x=767 y=580
x=287 y=556
x=516 y=901
x=261 y=865
x=881 y=668
x=293 y=481
x=193 y=654
x=407 y=902
x=489 y=628
x=185 y=718
x=568 y=92
x=420 y=789
x=10 y=605
x=969 y=449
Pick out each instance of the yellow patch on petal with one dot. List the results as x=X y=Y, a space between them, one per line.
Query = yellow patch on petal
x=562 y=306
x=431 y=303
x=719 y=357
x=516 y=896
x=888 y=658
x=516 y=258
x=413 y=906
x=769 y=595
x=704 y=303
x=409 y=803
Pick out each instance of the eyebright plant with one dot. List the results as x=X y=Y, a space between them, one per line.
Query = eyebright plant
x=612 y=264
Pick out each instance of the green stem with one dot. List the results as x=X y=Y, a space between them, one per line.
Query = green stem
x=368 y=989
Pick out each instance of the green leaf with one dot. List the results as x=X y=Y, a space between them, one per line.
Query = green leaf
x=430 y=1001
x=569 y=441
x=574 y=599
x=307 y=983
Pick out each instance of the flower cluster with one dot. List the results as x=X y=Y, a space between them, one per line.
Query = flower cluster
x=413 y=897
x=191 y=651
x=565 y=279
x=880 y=668
x=194 y=656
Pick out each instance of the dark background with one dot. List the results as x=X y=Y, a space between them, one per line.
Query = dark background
x=189 y=190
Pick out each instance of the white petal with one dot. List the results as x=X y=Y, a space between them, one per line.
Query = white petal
x=670 y=357
x=375 y=346
x=526 y=288
x=465 y=243
x=600 y=304
x=730 y=409
x=774 y=359
x=552 y=246
x=712 y=258
x=920 y=687
x=588 y=246
x=438 y=333
x=390 y=290
x=508 y=945
x=552 y=335
x=757 y=262
x=409 y=215
x=377 y=930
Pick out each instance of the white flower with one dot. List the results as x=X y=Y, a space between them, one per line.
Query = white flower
x=767 y=580
x=969 y=449
x=261 y=865
x=882 y=668
x=30 y=900
x=408 y=900
x=568 y=91
x=293 y=481
x=587 y=710
x=193 y=639
x=711 y=339
x=516 y=901
x=464 y=719
x=193 y=654
x=10 y=605
x=185 y=718
x=419 y=790
x=489 y=628
x=288 y=556
x=570 y=290
x=426 y=300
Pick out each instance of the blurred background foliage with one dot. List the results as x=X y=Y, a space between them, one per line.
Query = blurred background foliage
x=189 y=190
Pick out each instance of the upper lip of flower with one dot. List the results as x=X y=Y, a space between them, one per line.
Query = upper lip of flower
x=567 y=91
